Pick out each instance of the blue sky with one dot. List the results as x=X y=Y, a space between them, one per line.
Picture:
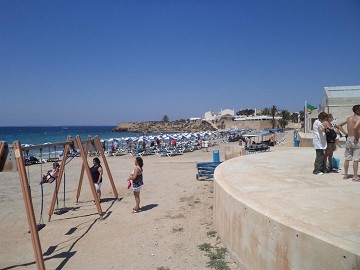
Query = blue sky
x=103 y=62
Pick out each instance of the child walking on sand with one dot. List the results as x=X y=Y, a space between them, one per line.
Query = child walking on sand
x=136 y=179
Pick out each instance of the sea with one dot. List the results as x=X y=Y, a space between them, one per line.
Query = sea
x=53 y=134
x=27 y=135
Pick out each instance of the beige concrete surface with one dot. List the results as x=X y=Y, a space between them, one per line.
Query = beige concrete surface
x=271 y=212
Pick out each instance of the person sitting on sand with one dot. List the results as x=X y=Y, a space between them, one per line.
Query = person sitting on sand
x=51 y=175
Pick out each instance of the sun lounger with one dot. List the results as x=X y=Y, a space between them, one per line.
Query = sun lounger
x=164 y=153
x=118 y=152
x=138 y=153
x=205 y=170
x=257 y=148
x=281 y=141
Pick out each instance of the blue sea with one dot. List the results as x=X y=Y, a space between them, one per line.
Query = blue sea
x=53 y=134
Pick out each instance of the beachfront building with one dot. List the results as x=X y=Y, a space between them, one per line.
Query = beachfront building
x=260 y=122
x=193 y=119
x=227 y=112
x=213 y=116
x=337 y=100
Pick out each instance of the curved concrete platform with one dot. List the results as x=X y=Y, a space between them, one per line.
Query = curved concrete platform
x=271 y=212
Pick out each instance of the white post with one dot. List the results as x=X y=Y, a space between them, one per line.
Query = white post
x=305 y=116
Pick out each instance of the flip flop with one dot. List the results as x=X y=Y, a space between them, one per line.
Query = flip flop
x=129 y=184
x=136 y=211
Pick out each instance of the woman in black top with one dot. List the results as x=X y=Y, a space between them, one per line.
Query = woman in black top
x=96 y=174
x=136 y=178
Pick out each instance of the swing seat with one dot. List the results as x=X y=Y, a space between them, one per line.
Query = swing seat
x=60 y=211
x=39 y=226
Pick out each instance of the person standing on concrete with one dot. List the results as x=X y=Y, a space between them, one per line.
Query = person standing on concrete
x=352 y=147
x=331 y=134
x=319 y=142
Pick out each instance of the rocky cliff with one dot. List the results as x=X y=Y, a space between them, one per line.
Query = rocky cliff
x=157 y=126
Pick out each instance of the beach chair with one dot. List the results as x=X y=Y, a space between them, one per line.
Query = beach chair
x=205 y=170
x=263 y=147
x=281 y=141
x=164 y=153
x=32 y=160
x=118 y=152
x=251 y=149
x=138 y=153
x=177 y=151
x=150 y=151
x=188 y=148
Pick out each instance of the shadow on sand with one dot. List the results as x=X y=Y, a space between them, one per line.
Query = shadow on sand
x=148 y=207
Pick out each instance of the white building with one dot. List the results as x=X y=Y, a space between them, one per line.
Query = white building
x=337 y=100
x=210 y=116
x=195 y=118
x=255 y=118
x=227 y=112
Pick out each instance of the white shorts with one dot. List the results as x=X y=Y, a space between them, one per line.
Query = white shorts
x=97 y=186
x=352 y=150
x=137 y=189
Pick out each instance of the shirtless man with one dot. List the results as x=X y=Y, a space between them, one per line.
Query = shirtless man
x=352 y=147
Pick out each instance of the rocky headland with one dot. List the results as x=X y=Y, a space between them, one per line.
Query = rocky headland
x=160 y=126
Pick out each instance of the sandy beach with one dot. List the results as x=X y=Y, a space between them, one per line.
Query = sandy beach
x=176 y=218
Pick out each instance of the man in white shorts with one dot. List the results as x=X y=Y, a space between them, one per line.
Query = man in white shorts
x=352 y=147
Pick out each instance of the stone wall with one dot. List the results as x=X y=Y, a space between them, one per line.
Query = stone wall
x=261 y=237
x=234 y=151
x=258 y=125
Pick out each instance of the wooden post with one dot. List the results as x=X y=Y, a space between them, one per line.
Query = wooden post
x=58 y=181
x=99 y=147
x=4 y=150
x=87 y=170
x=82 y=172
x=28 y=206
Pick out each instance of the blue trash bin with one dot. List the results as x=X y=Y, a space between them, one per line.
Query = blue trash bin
x=216 y=156
x=296 y=143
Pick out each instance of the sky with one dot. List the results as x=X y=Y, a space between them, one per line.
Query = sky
x=104 y=62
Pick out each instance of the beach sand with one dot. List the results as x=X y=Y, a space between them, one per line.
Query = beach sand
x=176 y=218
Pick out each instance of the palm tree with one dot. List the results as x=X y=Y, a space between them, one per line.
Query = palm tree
x=302 y=116
x=165 y=118
x=273 y=111
x=295 y=117
x=285 y=117
x=266 y=111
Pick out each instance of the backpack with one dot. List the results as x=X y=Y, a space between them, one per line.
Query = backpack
x=330 y=135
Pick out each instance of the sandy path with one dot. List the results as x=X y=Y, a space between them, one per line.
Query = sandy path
x=176 y=217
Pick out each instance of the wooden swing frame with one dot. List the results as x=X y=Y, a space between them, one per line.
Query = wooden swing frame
x=20 y=165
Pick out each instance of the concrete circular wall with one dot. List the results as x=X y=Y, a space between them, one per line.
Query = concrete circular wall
x=271 y=212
